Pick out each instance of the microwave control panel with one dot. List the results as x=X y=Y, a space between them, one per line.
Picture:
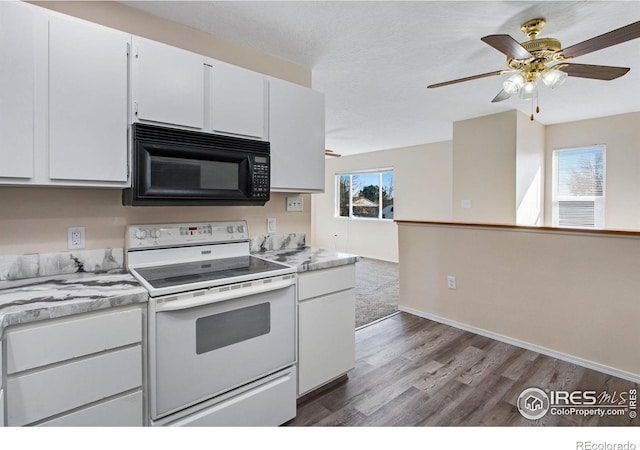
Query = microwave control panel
x=261 y=185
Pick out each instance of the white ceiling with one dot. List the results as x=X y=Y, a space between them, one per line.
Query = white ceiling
x=373 y=60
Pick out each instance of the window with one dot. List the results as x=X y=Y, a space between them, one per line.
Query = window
x=365 y=195
x=578 y=187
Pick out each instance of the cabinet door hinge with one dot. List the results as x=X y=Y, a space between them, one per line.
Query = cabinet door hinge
x=135 y=51
x=128 y=48
x=135 y=108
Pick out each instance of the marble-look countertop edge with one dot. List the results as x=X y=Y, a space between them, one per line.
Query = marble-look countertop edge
x=307 y=259
x=39 y=299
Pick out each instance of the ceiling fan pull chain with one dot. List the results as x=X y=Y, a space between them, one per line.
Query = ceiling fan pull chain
x=532 y=110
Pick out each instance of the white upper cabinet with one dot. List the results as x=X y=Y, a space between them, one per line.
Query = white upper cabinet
x=22 y=42
x=63 y=100
x=296 y=133
x=168 y=85
x=239 y=99
x=87 y=101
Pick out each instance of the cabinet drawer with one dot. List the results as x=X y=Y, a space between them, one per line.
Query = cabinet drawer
x=39 y=344
x=125 y=411
x=321 y=282
x=41 y=394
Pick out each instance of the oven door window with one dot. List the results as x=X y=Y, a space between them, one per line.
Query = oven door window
x=174 y=171
x=231 y=327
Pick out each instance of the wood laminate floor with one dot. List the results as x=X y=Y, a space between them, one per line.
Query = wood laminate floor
x=412 y=371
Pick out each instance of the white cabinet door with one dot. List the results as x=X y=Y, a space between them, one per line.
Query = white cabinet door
x=87 y=101
x=326 y=339
x=296 y=133
x=168 y=84
x=22 y=41
x=238 y=101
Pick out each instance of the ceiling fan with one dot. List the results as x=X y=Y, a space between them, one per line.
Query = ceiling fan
x=329 y=152
x=531 y=61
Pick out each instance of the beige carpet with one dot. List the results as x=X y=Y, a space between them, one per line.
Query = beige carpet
x=377 y=291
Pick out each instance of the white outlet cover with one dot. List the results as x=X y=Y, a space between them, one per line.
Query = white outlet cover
x=75 y=238
x=465 y=204
x=451 y=282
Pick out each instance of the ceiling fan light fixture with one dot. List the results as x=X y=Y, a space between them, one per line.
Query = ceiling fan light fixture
x=553 y=78
x=529 y=90
x=513 y=84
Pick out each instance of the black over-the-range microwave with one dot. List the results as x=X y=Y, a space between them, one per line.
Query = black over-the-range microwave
x=173 y=167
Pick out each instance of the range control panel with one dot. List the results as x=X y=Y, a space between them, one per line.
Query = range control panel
x=185 y=234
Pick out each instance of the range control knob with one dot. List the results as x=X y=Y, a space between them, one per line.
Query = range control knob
x=141 y=234
x=155 y=233
x=240 y=229
x=230 y=229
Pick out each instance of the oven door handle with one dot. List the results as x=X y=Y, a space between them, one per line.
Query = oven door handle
x=215 y=297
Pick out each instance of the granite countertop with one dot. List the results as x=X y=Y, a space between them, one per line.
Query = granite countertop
x=34 y=299
x=309 y=258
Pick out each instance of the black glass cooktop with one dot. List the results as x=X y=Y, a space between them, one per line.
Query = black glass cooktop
x=214 y=269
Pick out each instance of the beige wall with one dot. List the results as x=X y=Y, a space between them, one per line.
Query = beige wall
x=530 y=171
x=422 y=176
x=621 y=135
x=484 y=168
x=35 y=219
x=571 y=293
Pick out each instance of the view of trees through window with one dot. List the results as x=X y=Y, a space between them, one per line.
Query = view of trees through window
x=578 y=191
x=367 y=195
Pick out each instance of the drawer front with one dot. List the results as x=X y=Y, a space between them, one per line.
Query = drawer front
x=44 y=393
x=37 y=345
x=125 y=411
x=320 y=282
x=269 y=404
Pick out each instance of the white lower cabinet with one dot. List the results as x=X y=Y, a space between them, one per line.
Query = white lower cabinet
x=326 y=326
x=83 y=370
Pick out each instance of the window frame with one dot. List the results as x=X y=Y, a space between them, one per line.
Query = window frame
x=350 y=174
x=599 y=201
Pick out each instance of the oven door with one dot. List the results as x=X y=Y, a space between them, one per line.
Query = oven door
x=205 y=345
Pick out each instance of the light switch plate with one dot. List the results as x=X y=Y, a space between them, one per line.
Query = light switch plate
x=295 y=204
x=271 y=225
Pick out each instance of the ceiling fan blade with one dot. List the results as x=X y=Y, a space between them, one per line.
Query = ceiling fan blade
x=595 y=72
x=502 y=95
x=328 y=152
x=507 y=45
x=473 y=77
x=614 y=37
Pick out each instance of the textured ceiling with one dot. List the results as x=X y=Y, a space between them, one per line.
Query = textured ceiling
x=373 y=60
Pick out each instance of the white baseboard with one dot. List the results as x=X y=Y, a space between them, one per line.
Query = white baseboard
x=526 y=345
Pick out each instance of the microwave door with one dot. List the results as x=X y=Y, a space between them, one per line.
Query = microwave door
x=174 y=173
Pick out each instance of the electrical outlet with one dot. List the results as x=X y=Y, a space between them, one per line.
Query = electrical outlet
x=75 y=238
x=465 y=204
x=451 y=282
x=271 y=225
x=295 y=204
